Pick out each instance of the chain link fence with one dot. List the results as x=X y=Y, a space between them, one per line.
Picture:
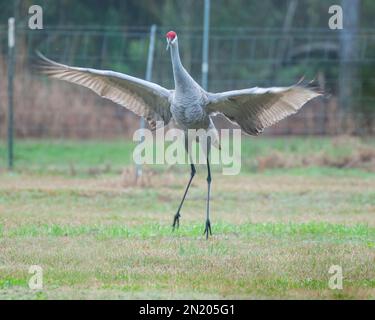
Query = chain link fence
x=239 y=58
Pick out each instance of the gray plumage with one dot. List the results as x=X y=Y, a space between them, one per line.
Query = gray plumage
x=188 y=104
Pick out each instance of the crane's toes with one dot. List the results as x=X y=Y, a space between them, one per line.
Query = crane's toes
x=176 y=221
x=207 y=229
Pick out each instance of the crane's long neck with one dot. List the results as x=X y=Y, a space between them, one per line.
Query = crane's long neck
x=183 y=81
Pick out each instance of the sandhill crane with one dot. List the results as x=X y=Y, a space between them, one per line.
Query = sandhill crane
x=188 y=104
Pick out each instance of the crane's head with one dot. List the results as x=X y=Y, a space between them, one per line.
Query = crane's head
x=171 y=38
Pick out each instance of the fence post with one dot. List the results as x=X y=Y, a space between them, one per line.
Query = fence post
x=206 y=34
x=11 y=43
x=150 y=62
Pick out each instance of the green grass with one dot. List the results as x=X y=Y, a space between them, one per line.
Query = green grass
x=315 y=171
x=276 y=231
x=62 y=155
x=8 y=282
x=77 y=157
x=312 y=230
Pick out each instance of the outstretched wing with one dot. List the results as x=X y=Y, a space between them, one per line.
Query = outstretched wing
x=144 y=98
x=257 y=108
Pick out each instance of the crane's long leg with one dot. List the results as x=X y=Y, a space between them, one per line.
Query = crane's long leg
x=176 y=220
x=207 y=229
x=208 y=223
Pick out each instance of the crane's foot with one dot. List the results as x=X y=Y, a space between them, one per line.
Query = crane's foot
x=207 y=229
x=176 y=221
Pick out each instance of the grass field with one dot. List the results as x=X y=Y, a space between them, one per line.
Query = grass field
x=278 y=227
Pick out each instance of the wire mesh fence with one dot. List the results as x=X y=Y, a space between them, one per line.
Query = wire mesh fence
x=238 y=59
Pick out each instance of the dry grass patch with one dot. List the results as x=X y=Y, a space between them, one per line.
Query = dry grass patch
x=275 y=236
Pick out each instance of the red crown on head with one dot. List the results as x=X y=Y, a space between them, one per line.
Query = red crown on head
x=171 y=35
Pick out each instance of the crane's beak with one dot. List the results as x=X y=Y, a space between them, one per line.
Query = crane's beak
x=168 y=43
